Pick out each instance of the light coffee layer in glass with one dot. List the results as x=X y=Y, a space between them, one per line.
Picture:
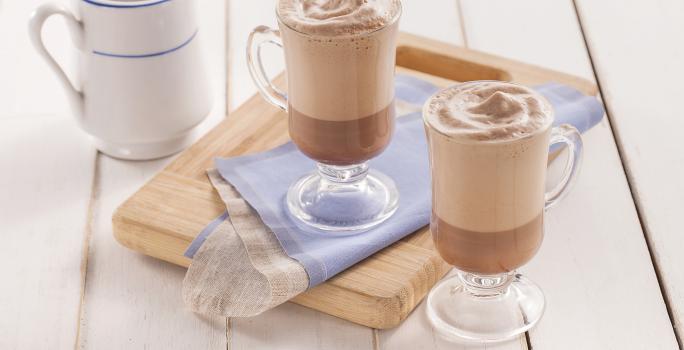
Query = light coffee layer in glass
x=340 y=78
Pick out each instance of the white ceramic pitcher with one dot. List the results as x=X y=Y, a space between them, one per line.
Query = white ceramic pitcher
x=142 y=86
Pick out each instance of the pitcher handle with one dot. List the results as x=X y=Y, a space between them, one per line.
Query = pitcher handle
x=264 y=35
x=570 y=136
x=35 y=27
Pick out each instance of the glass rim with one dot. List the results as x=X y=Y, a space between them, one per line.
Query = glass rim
x=471 y=141
x=394 y=20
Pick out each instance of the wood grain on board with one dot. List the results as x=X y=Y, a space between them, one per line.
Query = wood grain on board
x=163 y=217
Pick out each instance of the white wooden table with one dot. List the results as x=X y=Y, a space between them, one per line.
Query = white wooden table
x=611 y=265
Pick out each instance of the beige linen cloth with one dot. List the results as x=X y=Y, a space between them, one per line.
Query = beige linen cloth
x=241 y=270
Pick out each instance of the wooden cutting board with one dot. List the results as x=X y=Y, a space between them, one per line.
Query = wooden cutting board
x=165 y=215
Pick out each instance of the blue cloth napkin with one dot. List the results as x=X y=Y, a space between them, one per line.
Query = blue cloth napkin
x=263 y=179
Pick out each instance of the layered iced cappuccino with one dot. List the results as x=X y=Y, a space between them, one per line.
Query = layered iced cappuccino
x=340 y=57
x=489 y=145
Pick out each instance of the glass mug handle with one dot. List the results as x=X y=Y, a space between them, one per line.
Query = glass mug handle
x=570 y=136
x=264 y=35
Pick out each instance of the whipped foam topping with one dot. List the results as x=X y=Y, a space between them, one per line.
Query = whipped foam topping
x=488 y=111
x=337 y=17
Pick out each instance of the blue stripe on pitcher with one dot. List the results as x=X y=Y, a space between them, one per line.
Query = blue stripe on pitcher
x=122 y=6
x=109 y=54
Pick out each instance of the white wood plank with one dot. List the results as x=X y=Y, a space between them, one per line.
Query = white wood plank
x=544 y=33
x=134 y=301
x=642 y=47
x=212 y=22
x=291 y=326
x=594 y=253
x=436 y=19
x=46 y=179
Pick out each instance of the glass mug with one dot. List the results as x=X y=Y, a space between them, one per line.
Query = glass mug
x=488 y=204
x=340 y=102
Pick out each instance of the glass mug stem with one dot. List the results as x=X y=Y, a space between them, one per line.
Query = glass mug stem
x=343 y=174
x=486 y=285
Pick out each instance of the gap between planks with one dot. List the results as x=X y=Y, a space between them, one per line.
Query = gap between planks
x=85 y=250
x=376 y=339
x=462 y=24
x=630 y=180
x=229 y=332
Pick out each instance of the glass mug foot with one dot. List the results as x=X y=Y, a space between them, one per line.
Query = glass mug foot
x=343 y=199
x=484 y=308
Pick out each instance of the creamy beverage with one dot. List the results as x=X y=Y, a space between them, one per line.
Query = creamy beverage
x=340 y=58
x=488 y=147
x=489 y=143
